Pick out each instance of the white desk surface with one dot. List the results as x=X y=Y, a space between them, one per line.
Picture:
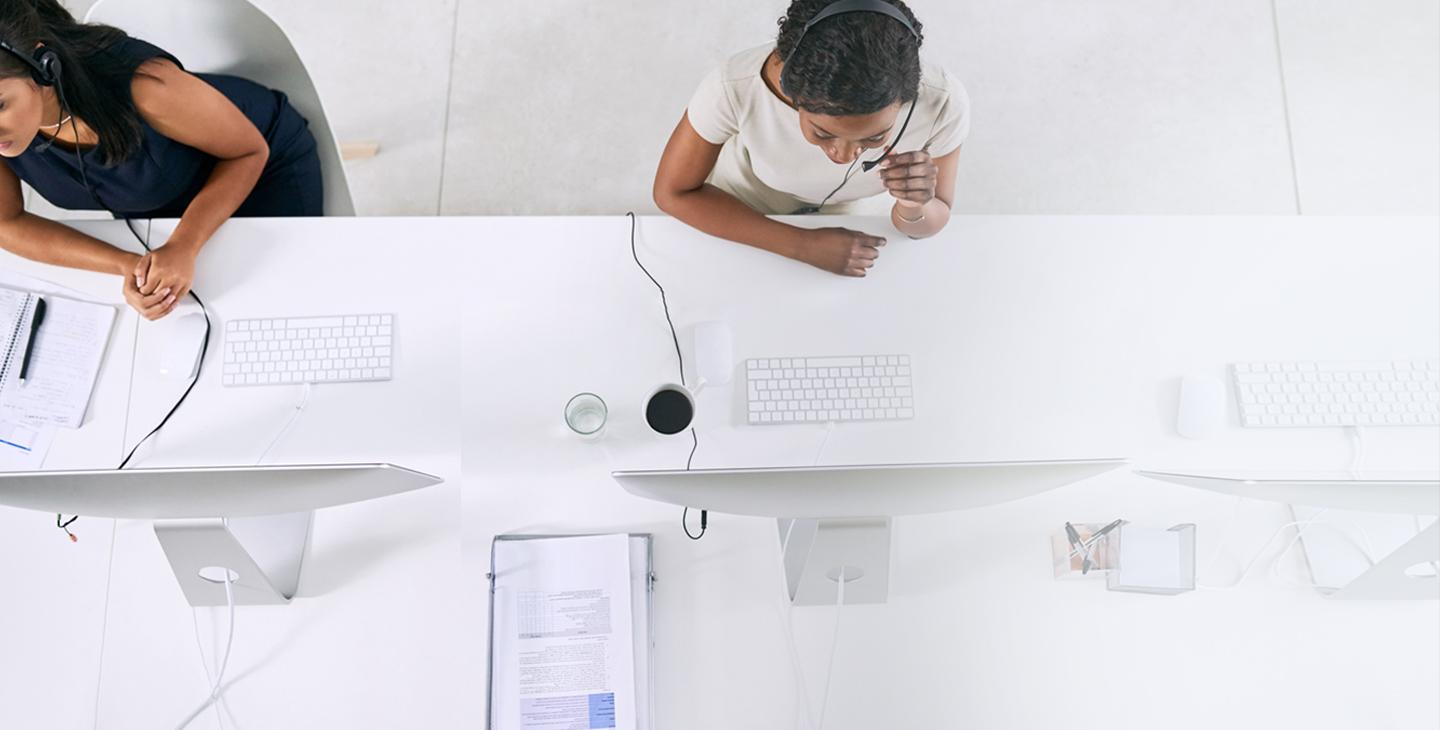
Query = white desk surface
x=1039 y=337
x=1043 y=337
x=54 y=591
x=368 y=642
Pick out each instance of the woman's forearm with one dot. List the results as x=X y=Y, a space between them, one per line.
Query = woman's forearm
x=39 y=239
x=923 y=222
x=229 y=184
x=720 y=214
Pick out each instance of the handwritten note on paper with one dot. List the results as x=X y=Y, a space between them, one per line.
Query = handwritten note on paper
x=69 y=349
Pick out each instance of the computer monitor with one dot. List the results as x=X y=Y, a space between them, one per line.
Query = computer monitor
x=835 y=520
x=253 y=521
x=1407 y=572
x=861 y=490
x=1367 y=490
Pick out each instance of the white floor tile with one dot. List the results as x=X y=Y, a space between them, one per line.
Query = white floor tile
x=1106 y=107
x=382 y=70
x=563 y=107
x=1364 y=87
x=1117 y=106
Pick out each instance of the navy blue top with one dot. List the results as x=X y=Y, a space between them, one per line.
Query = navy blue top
x=161 y=178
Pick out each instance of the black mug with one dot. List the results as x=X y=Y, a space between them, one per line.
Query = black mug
x=669 y=410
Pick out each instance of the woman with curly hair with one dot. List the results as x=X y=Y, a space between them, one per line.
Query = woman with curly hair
x=842 y=76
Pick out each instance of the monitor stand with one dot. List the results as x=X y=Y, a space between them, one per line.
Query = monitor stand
x=263 y=554
x=1402 y=574
x=818 y=550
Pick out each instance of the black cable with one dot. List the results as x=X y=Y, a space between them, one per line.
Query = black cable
x=204 y=347
x=199 y=367
x=869 y=164
x=848 y=172
x=695 y=439
x=60 y=520
x=685 y=523
x=663 y=301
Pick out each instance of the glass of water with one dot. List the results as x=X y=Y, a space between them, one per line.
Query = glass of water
x=585 y=414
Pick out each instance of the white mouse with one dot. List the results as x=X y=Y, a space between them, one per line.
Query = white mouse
x=714 y=352
x=1202 y=406
x=180 y=351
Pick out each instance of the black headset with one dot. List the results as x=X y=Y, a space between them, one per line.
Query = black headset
x=44 y=63
x=858 y=6
x=853 y=6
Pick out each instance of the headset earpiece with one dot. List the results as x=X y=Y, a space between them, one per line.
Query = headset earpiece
x=47 y=66
x=44 y=63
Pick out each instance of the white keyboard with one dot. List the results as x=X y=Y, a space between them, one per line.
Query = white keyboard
x=341 y=349
x=821 y=389
x=1289 y=394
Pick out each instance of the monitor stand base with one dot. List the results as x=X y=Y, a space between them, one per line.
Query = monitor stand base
x=262 y=553
x=819 y=550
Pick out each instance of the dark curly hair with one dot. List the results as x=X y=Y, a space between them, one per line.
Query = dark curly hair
x=852 y=63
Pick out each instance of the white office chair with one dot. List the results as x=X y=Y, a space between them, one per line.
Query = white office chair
x=237 y=38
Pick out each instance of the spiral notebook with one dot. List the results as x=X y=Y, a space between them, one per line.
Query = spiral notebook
x=69 y=349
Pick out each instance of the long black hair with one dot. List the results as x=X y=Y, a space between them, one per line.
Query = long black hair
x=96 y=86
x=851 y=63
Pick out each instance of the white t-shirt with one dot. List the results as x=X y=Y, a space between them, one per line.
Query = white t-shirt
x=768 y=164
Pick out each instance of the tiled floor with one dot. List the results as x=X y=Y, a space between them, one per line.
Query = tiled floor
x=1112 y=106
x=1364 y=89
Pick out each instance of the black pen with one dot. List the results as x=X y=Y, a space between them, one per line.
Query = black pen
x=35 y=322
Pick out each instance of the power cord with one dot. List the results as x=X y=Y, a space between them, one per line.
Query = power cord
x=60 y=521
x=216 y=689
x=788 y=624
x=1301 y=527
x=834 y=645
x=295 y=416
x=680 y=360
x=217 y=698
x=1357 y=453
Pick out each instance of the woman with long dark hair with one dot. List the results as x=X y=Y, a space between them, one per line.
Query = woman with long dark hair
x=843 y=76
x=94 y=119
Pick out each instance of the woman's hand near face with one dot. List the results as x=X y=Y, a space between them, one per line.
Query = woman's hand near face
x=910 y=178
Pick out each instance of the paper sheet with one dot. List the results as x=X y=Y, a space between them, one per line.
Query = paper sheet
x=69 y=349
x=564 y=634
x=23 y=446
x=1150 y=557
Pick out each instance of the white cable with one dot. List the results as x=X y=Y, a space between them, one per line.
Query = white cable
x=788 y=624
x=217 y=689
x=216 y=694
x=1365 y=551
x=295 y=416
x=829 y=429
x=209 y=676
x=834 y=644
x=1261 y=552
x=1362 y=546
x=1357 y=446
